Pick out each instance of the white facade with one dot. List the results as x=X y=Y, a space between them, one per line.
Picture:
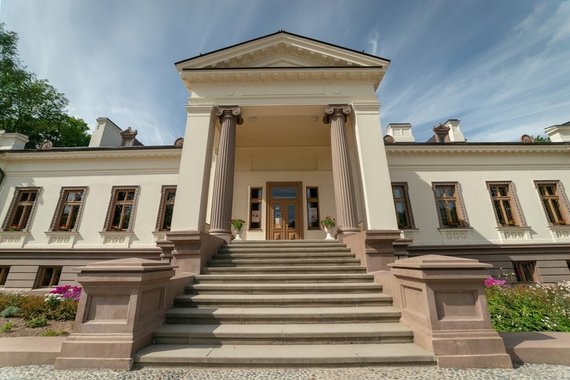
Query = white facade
x=282 y=84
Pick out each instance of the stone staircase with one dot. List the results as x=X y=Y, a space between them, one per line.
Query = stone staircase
x=294 y=303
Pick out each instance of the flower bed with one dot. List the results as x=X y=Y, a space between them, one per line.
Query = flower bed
x=534 y=307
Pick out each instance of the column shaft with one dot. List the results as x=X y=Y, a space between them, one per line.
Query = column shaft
x=342 y=176
x=223 y=193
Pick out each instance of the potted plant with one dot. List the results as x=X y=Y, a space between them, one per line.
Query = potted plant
x=237 y=225
x=329 y=224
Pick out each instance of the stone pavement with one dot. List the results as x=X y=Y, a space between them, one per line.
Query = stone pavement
x=524 y=372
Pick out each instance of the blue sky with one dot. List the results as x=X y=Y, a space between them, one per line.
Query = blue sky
x=502 y=67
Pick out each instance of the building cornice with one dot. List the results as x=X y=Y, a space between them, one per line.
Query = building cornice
x=88 y=154
x=476 y=148
x=283 y=75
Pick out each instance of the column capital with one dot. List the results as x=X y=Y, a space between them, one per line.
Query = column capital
x=229 y=112
x=336 y=110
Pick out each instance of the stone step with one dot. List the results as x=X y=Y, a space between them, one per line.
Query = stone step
x=403 y=354
x=272 y=334
x=287 y=269
x=284 y=278
x=217 y=262
x=283 y=315
x=284 y=288
x=256 y=255
x=285 y=243
x=283 y=300
x=283 y=249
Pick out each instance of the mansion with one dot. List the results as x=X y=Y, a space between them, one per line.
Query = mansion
x=283 y=131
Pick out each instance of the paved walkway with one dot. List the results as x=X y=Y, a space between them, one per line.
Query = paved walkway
x=525 y=372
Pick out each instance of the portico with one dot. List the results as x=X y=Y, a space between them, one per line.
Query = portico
x=291 y=111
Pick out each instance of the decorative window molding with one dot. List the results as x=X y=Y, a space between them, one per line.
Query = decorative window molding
x=505 y=203
x=554 y=202
x=21 y=211
x=313 y=213
x=166 y=208
x=402 y=206
x=4 y=270
x=526 y=271
x=48 y=276
x=70 y=203
x=122 y=209
x=449 y=205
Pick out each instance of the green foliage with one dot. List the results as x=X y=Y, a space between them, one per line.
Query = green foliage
x=530 y=307
x=541 y=139
x=35 y=306
x=32 y=106
x=51 y=332
x=6 y=327
x=37 y=322
x=237 y=224
x=10 y=311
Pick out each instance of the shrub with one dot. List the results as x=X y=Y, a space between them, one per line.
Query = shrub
x=51 y=332
x=63 y=311
x=37 y=322
x=9 y=299
x=6 y=327
x=530 y=307
x=10 y=311
x=32 y=307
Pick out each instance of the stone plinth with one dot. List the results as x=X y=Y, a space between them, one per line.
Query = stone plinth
x=375 y=249
x=123 y=301
x=443 y=301
x=192 y=249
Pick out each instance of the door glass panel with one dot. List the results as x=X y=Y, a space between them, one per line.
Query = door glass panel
x=284 y=193
x=277 y=215
x=291 y=215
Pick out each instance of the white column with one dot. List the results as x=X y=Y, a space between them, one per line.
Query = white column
x=223 y=194
x=194 y=174
x=376 y=185
x=342 y=175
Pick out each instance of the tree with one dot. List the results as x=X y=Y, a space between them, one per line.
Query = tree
x=541 y=139
x=32 y=106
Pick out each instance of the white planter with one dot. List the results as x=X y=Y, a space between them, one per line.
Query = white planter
x=237 y=234
x=330 y=231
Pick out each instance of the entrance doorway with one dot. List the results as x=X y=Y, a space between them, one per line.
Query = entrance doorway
x=284 y=211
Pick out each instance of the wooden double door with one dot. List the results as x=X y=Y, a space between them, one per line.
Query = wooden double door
x=284 y=210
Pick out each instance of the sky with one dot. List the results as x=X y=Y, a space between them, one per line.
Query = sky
x=502 y=67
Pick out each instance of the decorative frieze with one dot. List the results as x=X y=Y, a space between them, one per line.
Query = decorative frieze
x=509 y=234
x=116 y=238
x=13 y=239
x=62 y=239
x=455 y=235
x=560 y=233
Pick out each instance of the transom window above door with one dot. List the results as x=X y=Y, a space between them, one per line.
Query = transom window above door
x=284 y=192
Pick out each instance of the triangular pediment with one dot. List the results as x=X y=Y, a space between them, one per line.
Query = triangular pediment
x=282 y=49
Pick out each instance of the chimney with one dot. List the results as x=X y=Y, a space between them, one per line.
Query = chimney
x=400 y=132
x=128 y=137
x=441 y=133
x=107 y=134
x=12 y=141
x=559 y=133
x=455 y=134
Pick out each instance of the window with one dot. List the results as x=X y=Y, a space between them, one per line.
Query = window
x=449 y=206
x=21 y=209
x=505 y=204
x=554 y=202
x=4 y=275
x=68 y=211
x=166 y=208
x=255 y=195
x=525 y=271
x=402 y=205
x=121 y=211
x=48 y=277
x=313 y=221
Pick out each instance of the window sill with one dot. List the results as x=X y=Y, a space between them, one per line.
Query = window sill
x=560 y=231
x=455 y=234
x=117 y=238
x=509 y=233
x=13 y=239
x=67 y=238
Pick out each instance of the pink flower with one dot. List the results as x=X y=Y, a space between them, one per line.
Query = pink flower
x=490 y=282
